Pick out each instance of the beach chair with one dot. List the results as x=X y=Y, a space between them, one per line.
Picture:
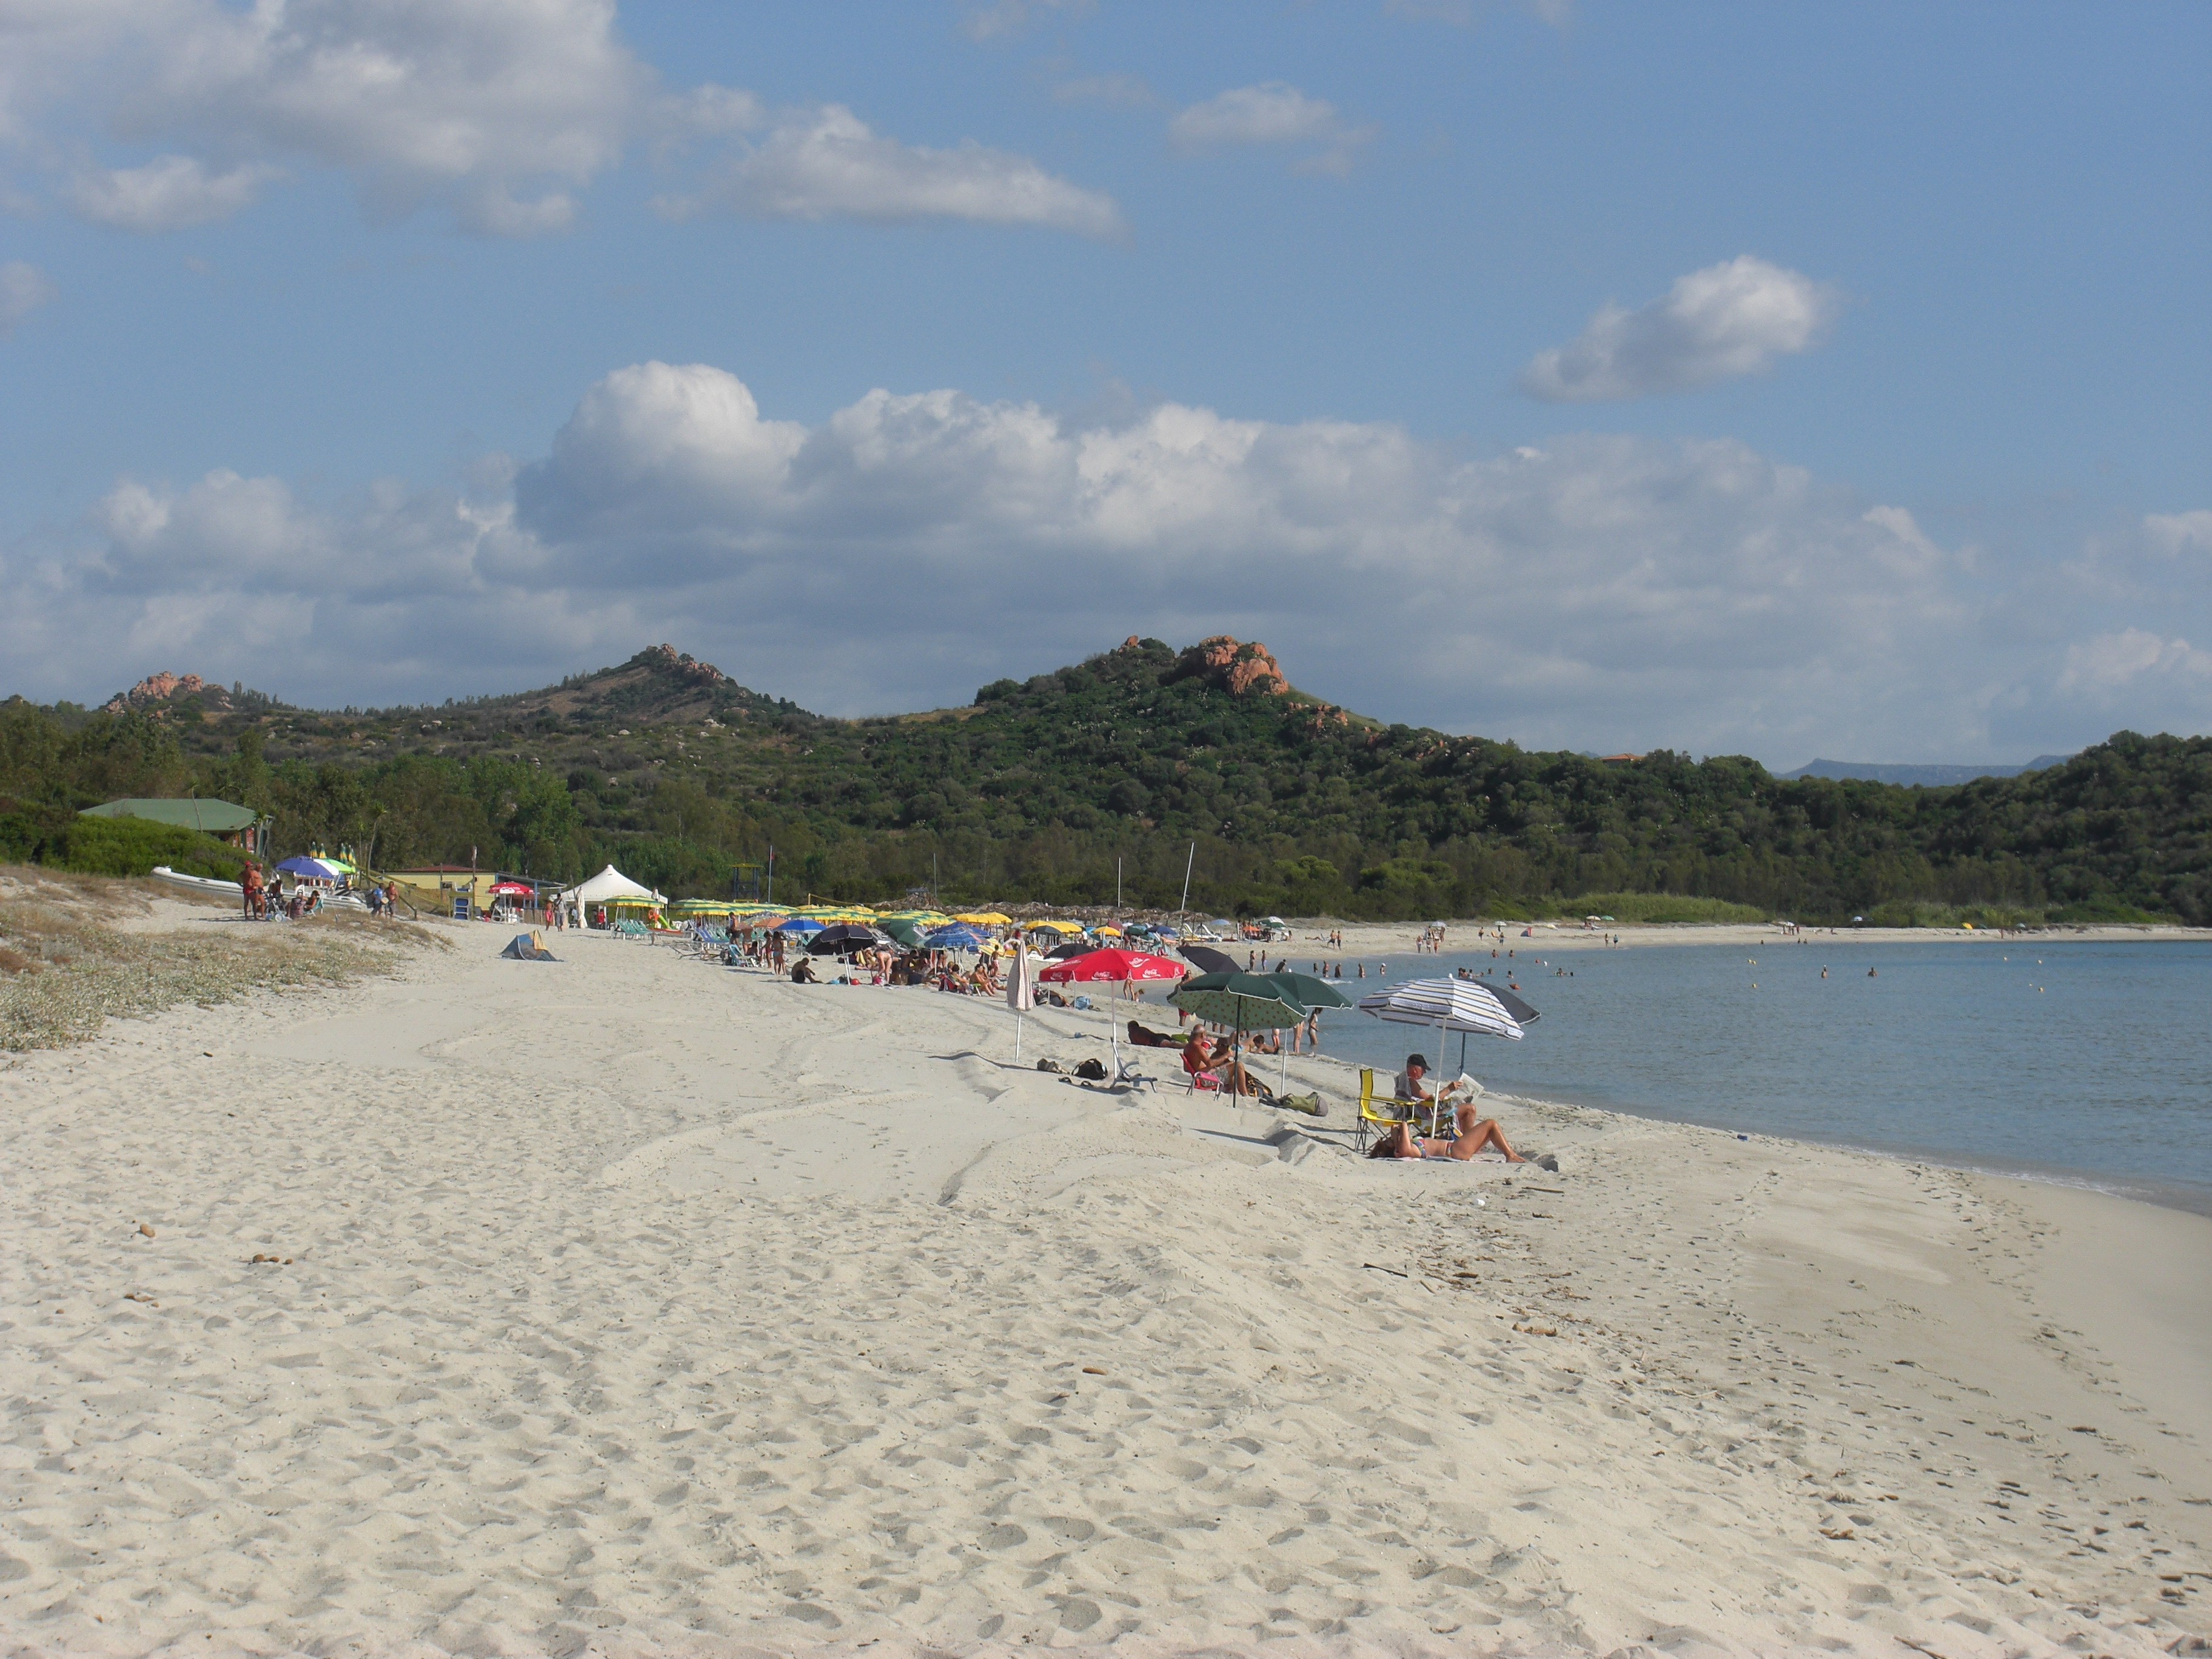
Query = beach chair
x=1374 y=1108
x=1197 y=1079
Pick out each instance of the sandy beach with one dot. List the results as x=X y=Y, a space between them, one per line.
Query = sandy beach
x=629 y=1304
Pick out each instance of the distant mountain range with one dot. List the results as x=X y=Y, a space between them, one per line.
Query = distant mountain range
x=1133 y=771
x=1931 y=777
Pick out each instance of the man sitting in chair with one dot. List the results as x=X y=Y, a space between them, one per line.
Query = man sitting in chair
x=1475 y=1134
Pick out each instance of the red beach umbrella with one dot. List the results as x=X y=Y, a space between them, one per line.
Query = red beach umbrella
x=1093 y=967
x=1112 y=965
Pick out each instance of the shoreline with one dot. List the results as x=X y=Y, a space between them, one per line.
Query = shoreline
x=1370 y=940
x=631 y=1301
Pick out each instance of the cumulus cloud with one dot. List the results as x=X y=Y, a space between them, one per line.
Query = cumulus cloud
x=501 y=110
x=168 y=193
x=1271 y=113
x=827 y=162
x=495 y=104
x=24 y=288
x=1727 y=320
x=2109 y=662
x=1602 y=590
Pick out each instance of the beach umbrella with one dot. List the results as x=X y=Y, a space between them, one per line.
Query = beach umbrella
x=1210 y=961
x=1464 y=1005
x=1075 y=947
x=1107 y=930
x=800 y=925
x=983 y=918
x=1109 y=967
x=954 y=938
x=1053 y=927
x=1021 y=995
x=846 y=936
x=1247 y=1001
x=904 y=929
x=308 y=869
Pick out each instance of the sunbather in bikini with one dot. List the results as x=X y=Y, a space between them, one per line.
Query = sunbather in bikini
x=1475 y=1135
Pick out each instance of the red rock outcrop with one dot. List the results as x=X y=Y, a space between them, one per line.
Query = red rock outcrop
x=1240 y=670
x=668 y=657
x=163 y=687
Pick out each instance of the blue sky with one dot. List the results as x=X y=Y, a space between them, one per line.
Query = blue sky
x=1780 y=381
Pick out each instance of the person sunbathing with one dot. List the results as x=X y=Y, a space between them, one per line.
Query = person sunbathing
x=1475 y=1135
x=1218 y=1060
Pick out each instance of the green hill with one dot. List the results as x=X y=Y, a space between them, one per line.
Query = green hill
x=671 y=770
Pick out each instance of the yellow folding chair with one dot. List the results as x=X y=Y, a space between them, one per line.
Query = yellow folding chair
x=1372 y=1105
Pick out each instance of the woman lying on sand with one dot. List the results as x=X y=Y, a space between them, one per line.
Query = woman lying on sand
x=1475 y=1135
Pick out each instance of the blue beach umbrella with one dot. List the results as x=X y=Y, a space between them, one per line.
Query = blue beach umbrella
x=800 y=925
x=955 y=938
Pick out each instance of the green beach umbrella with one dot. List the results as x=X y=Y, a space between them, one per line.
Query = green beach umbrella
x=1247 y=1001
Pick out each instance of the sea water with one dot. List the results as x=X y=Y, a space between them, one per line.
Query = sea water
x=2089 y=1062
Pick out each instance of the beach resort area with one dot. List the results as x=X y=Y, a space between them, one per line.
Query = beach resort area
x=425 y=1299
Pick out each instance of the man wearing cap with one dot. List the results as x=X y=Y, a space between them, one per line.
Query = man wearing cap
x=1475 y=1134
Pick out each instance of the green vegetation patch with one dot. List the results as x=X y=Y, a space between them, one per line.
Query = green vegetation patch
x=1656 y=907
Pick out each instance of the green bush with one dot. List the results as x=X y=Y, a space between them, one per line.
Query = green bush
x=1655 y=908
x=132 y=847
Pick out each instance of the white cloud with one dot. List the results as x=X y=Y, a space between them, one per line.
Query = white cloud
x=1601 y=590
x=2180 y=532
x=24 y=288
x=168 y=193
x=483 y=101
x=1727 y=320
x=500 y=110
x=827 y=163
x=1271 y=113
x=2107 y=663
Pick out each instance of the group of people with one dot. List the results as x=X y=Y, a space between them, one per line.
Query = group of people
x=1430 y=939
x=264 y=898
x=1473 y=1134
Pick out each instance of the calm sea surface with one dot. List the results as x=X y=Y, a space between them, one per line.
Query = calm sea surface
x=2084 y=1062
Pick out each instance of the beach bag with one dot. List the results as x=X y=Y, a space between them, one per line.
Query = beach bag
x=1049 y=1066
x=1311 y=1105
x=1094 y=1069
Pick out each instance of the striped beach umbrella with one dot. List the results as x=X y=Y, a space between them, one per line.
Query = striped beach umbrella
x=1464 y=1005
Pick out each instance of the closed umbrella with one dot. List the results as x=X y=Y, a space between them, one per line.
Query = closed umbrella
x=1021 y=995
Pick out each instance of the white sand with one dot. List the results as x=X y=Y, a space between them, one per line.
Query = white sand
x=640 y=1305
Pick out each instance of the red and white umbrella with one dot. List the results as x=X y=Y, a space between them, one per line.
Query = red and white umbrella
x=1112 y=966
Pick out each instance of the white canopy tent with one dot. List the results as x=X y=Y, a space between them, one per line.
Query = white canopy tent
x=609 y=883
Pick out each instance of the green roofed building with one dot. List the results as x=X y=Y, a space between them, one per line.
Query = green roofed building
x=219 y=818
